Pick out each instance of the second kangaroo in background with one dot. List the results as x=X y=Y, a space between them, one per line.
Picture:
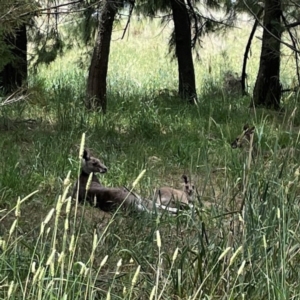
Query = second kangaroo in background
x=175 y=198
x=245 y=140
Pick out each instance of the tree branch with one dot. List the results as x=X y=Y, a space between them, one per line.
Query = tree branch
x=48 y=8
x=291 y=25
x=243 y=79
x=275 y=37
x=294 y=44
x=194 y=39
x=132 y=3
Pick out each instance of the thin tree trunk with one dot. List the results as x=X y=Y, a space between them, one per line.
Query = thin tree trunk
x=247 y=50
x=96 y=85
x=187 y=85
x=14 y=74
x=267 y=89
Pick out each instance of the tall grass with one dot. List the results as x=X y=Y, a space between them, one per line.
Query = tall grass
x=52 y=248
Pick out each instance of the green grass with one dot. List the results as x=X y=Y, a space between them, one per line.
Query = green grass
x=63 y=256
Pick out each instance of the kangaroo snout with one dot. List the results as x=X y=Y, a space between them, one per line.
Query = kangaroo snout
x=103 y=169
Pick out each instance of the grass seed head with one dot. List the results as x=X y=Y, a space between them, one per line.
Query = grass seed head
x=158 y=240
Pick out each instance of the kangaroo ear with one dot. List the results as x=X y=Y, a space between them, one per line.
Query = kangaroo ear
x=185 y=179
x=246 y=126
x=86 y=154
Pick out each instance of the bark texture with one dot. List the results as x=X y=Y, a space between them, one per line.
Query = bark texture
x=187 y=85
x=14 y=74
x=267 y=89
x=96 y=85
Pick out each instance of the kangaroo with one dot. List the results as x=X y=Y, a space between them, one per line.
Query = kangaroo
x=89 y=164
x=102 y=197
x=246 y=140
x=107 y=198
x=174 y=198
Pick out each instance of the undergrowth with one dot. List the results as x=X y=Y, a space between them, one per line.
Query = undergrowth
x=53 y=248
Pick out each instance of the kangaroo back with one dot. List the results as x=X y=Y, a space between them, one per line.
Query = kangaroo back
x=108 y=199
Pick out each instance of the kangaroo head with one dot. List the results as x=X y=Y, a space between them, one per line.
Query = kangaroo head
x=243 y=139
x=188 y=187
x=91 y=164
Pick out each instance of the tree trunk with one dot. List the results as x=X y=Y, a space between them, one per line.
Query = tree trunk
x=267 y=89
x=187 y=85
x=247 y=50
x=14 y=74
x=96 y=85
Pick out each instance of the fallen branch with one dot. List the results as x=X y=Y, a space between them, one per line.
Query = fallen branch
x=14 y=97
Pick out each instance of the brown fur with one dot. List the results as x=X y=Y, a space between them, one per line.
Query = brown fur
x=243 y=139
x=175 y=198
x=109 y=199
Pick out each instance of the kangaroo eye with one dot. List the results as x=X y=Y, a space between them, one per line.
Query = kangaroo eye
x=95 y=164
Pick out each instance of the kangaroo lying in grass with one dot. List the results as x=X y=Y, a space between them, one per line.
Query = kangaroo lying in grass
x=108 y=198
x=174 y=198
x=98 y=195
x=246 y=141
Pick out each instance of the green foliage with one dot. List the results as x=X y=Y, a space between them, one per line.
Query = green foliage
x=48 y=54
x=5 y=53
x=13 y=14
x=89 y=25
